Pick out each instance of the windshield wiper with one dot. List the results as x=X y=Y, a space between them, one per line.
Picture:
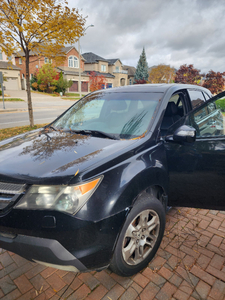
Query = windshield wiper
x=96 y=132
x=54 y=128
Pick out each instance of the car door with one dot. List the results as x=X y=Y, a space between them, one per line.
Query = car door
x=197 y=170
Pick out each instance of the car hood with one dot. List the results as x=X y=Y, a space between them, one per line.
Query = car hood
x=50 y=157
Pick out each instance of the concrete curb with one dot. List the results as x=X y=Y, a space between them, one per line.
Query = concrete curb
x=12 y=110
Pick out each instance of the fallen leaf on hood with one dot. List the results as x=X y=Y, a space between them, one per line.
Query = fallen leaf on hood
x=46 y=129
x=42 y=162
x=76 y=172
x=75 y=151
x=139 y=137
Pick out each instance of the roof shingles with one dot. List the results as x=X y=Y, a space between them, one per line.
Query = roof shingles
x=7 y=65
x=91 y=58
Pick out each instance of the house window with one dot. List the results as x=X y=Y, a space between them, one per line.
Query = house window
x=130 y=81
x=47 y=60
x=23 y=76
x=103 y=68
x=73 y=62
x=0 y=54
x=117 y=69
x=20 y=61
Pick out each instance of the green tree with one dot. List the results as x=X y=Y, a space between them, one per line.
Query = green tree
x=41 y=26
x=46 y=77
x=63 y=84
x=141 y=74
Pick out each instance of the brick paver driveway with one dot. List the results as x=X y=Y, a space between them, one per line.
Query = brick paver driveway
x=188 y=265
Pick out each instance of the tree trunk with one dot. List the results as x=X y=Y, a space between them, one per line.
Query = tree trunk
x=29 y=102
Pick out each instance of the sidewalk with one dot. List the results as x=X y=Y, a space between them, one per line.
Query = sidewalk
x=39 y=101
x=190 y=264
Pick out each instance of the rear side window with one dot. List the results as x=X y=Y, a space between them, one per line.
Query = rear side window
x=209 y=120
x=196 y=97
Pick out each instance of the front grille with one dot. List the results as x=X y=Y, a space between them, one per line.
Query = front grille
x=9 y=192
x=11 y=188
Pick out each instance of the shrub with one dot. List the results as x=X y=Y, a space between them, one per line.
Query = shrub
x=42 y=87
x=62 y=84
x=51 y=89
x=34 y=85
x=34 y=80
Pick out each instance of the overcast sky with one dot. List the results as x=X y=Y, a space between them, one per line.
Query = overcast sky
x=172 y=32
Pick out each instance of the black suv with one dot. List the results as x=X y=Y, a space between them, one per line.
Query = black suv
x=91 y=189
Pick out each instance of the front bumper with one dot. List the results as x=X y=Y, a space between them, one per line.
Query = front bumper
x=67 y=243
x=45 y=251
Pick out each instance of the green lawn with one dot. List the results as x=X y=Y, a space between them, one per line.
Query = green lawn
x=9 y=132
x=65 y=96
x=73 y=95
x=43 y=93
x=11 y=99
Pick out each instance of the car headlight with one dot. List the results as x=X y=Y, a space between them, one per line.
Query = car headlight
x=69 y=199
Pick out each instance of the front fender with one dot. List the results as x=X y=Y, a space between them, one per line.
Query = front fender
x=125 y=181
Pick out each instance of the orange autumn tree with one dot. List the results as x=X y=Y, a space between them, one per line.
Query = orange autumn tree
x=97 y=81
x=40 y=26
x=162 y=74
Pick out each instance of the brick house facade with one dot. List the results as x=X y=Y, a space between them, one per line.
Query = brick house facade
x=111 y=69
x=69 y=68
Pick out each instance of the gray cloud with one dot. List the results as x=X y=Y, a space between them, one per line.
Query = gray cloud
x=174 y=32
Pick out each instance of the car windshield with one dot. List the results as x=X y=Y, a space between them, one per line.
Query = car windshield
x=119 y=115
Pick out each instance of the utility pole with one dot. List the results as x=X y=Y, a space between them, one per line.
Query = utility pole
x=79 y=83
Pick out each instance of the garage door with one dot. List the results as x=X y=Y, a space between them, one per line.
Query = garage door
x=84 y=86
x=11 y=83
x=74 y=87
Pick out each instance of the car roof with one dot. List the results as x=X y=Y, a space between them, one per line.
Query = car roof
x=152 y=88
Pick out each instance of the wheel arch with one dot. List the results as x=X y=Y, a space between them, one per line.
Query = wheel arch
x=156 y=189
x=153 y=181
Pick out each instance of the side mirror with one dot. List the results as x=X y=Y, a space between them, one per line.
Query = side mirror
x=184 y=134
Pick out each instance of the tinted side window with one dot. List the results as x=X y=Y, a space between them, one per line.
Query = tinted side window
x=209 y=119
x=196 y=97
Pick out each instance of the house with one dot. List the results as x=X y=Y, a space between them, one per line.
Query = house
x=131 y=72
x=111 y=69
x=72 y=68
x=69 y=68
x=10 y=71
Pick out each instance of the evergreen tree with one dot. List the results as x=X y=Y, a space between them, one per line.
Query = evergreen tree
x=141 y=74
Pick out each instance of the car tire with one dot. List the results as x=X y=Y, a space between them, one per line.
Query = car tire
x=140 y=236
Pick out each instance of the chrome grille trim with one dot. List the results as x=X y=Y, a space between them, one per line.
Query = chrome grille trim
x=11 y=188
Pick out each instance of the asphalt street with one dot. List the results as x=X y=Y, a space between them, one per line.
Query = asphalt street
x=45 y=109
